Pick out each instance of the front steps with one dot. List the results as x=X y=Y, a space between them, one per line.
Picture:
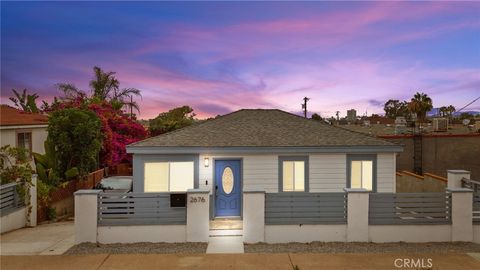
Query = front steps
x=226 y=236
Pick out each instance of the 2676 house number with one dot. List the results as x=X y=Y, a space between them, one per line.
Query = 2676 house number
x=197 y=199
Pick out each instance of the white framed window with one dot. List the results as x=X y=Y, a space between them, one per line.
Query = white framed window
x=168 y=176
x=24 y=140
x=293 y=174
x=361 y=174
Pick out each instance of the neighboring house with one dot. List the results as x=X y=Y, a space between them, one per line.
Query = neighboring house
x=22 y=129
x=270 y=150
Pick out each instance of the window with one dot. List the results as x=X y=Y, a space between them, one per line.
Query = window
x=24 y=140
x=169 y=176
x=293 y=174
x=362 y=172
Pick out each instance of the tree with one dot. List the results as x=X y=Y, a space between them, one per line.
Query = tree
x=450 y=110
x=316 y=117
x=442 y=111
x=466 y=115
x=173 y=119
x=47 y=167
x=118 y=131
x=447 y=111
x=420 y=104
x=14 y=165
x=25 y=102
x=77 y=139
x=103 y=87
x=394 y=108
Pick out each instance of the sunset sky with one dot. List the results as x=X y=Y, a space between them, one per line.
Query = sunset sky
x=222 y=56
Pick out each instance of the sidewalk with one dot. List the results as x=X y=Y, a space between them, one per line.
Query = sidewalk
x=450 y=261
x=47 y=239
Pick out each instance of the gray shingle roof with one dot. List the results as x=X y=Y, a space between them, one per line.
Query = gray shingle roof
x=261 y=128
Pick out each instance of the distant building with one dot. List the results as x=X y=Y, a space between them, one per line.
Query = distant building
x=22 y=129
x=380 y=120
x=351 y=115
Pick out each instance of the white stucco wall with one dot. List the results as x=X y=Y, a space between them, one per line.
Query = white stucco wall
x=144 y=233
x=13 y=221
x=305 y=233
x=39 y=135
x=409 y=233
x=476 y=233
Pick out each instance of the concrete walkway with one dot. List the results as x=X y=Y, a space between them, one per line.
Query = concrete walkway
x=47 y=239
x=225 y=244
x=450 y=261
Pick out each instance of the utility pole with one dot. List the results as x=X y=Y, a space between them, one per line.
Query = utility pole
x=304 y=106
x=131 y=107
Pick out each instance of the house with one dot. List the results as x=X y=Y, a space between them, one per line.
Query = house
x=22 y=129
x=268 y=150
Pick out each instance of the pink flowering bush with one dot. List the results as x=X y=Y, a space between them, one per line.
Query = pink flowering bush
x=118 y=130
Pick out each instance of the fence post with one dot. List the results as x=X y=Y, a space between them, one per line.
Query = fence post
x=462 y=223
x=455 y=178
x=198 y=211
x=357 y=214
x=86 y=215
x=254 y=216
x=32 y=215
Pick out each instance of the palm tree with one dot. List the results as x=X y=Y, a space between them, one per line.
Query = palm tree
x=70 y=91
x=104 y=87
x=450 y=110
x=443 y=111
x=420 y=104
x=24 y=101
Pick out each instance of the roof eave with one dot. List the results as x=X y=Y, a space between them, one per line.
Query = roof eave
x=23 y=126
x=262 y=150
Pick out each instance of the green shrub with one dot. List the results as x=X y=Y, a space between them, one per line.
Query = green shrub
x=77 y=140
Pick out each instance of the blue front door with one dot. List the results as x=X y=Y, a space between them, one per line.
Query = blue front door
x=227 y=188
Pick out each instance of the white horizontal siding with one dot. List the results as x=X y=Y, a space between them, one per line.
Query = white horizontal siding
x=259 y=171
x=327 y=172
x=386 y=172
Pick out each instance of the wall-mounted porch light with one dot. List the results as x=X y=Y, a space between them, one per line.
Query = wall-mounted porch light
x=206 y=162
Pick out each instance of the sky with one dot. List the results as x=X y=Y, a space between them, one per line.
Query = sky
x=219 y=57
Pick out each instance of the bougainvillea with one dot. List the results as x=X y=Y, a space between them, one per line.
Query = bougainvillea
x=118 y=129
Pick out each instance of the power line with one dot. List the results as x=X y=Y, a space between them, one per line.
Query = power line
x=468 y=104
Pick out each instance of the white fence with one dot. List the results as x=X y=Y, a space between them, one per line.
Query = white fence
x=140 y=217
x=354 y=216
x=15 y=213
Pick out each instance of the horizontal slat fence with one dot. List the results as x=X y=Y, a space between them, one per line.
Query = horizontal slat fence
x=9 y=198
x=290 y=208
x=138 y=209
x=476 y=208
x=409 y=208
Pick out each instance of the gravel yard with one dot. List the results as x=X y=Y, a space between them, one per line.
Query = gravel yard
x=341 y=247
x=138 y=248
x=314 y=247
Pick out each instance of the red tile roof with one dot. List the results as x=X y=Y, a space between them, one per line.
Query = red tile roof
x=12 y=117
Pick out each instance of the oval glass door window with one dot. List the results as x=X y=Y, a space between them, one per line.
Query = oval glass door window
x=227 y=180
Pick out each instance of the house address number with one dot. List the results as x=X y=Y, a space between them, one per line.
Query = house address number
x=197 y=199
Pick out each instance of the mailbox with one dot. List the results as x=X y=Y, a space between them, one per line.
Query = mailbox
x=178 y=199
